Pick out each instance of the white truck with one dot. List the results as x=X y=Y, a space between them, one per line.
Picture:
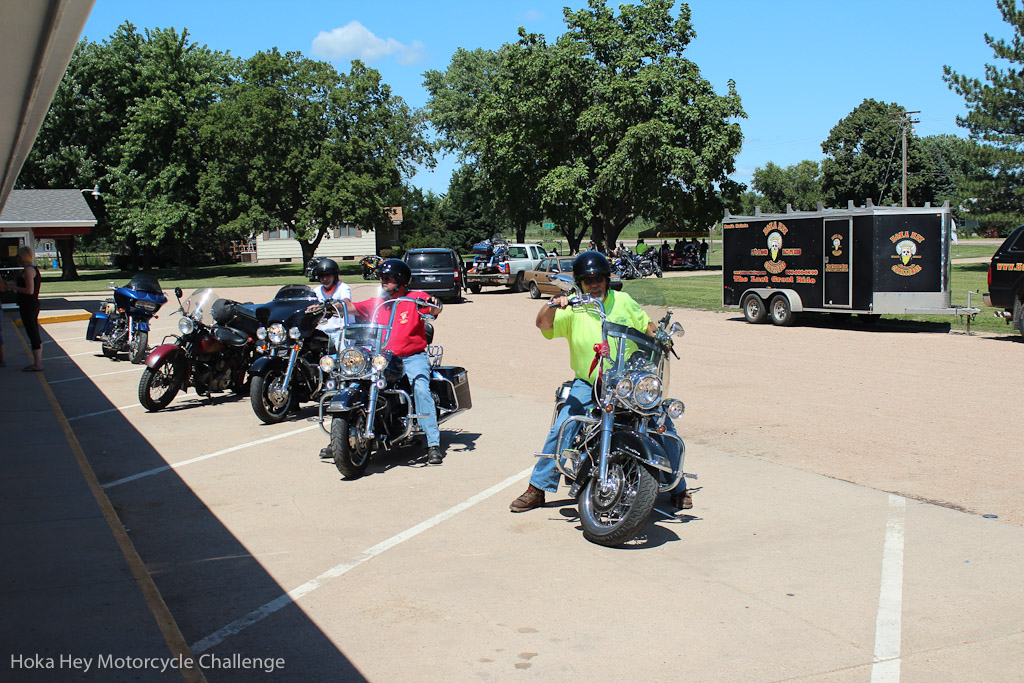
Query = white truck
x=506 y=272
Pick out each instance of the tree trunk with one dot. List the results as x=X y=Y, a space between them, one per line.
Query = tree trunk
x=66 y=247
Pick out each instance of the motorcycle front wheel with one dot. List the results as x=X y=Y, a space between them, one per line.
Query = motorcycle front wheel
x=159 y=386
x=137 y=347
x=269 y=398
x=350 y=449
x=612 y=517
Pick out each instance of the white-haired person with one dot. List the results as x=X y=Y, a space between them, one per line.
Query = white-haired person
x=27 y=288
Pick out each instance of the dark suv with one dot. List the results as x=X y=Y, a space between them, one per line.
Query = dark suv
x=436 y=272
x=1006 y=279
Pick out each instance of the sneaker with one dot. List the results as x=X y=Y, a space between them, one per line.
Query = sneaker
x=434 y=456
x=532 y=498
x=682 y=500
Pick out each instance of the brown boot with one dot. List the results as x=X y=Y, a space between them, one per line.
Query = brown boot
x=682 y=500
x=532 y=498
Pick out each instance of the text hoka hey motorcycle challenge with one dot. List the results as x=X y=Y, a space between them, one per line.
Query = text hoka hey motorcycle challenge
x=617 y=462
x=368 y=397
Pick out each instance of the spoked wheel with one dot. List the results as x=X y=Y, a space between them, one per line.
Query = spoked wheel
x=350 y=448
x=269 y=396
x=159 y=385
x=612 y=517
x=137 y=347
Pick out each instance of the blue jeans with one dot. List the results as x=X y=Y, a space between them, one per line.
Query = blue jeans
x=417 y=370
x=545 y=473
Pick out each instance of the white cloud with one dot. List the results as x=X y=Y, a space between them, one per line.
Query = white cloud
x=355 y=41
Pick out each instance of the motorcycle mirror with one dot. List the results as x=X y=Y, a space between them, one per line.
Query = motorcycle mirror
x=263 y=314
x=177 y=292
x=562 y=281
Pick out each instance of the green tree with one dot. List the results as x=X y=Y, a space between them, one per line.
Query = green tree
x=300 y=146
x=798 y=185
x=995 y=121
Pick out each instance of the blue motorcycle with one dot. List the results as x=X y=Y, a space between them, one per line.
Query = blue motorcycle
x=122 y=324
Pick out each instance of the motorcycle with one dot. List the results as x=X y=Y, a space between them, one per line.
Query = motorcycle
x=649 y=264
x=286 y=371
x=686 y=259
x=626 y=267
x=368 y=396
x=122 y=324
x=370 y=265
x=212 y=352
x=617 y=462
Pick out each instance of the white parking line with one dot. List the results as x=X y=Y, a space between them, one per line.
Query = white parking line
x=72 y=355
x=56 y=341
x=158 y=470
x=291 y=596
x=886 y=668
x=102 y=374
x=104 y=412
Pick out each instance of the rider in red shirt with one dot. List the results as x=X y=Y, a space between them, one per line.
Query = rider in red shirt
x=408 y=341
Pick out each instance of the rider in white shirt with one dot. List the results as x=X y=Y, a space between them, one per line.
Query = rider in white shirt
x=331 y=289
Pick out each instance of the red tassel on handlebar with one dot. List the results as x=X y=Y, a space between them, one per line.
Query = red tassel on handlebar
x=601 y=350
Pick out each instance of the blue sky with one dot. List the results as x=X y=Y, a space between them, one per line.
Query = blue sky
x=800 y=66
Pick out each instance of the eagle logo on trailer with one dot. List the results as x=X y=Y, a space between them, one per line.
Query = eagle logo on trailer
x=837 y=245
x=774 y=232
x=906 y=244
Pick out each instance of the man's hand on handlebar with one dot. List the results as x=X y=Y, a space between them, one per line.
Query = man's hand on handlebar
x=560 y=301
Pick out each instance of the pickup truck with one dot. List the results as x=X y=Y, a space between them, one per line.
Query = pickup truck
x=508 y=272
x=1006 y=280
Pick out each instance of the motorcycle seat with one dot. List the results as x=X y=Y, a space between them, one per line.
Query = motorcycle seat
x=229 y=336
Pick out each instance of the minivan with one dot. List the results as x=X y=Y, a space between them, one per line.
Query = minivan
x=436 y=272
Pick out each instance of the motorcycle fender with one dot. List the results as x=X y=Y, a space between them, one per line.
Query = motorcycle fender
x=142 y=326
x=161 y=354
x=264 y=364
x=348 y=399
x=643 y=448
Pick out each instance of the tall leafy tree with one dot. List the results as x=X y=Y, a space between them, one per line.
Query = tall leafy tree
x=155 y=186
x=798 y=185
x=302 y=147
x=995 y=120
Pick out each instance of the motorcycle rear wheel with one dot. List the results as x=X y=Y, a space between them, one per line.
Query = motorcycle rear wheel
x=350 y=450
x=268 y=410
x=159 y=386
x=137 y=348
x=616 y=517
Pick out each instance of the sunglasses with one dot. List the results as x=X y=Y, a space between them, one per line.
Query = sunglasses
x=388 y=278
x=593 y=279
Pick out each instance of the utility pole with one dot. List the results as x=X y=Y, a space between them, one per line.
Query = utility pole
x=905 y=123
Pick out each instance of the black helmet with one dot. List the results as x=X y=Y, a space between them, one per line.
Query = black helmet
x=590 y=263
x=326 y=266
x=397 y=269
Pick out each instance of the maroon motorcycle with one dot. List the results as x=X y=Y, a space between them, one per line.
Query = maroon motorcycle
x=213 y=351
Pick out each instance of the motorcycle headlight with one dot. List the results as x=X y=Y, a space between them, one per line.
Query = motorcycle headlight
x=623 y=387
x=675 y=408
x=277 y=333
x=294 y=333
x=379 y=362
x=327 y=364
x=647 y=392
x=261 y=333
x=186 y=325
x=353 y=362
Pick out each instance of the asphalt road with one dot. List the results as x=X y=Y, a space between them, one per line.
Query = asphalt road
x=788 y=567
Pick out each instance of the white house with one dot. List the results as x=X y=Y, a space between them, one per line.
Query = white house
x=345 y=243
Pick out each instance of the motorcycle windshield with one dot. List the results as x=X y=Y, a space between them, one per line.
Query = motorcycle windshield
x=370 y=336
x=198 y=305
x=143 y=282
x=634 y=351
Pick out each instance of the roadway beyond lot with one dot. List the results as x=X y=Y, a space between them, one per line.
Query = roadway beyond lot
x=838 y=535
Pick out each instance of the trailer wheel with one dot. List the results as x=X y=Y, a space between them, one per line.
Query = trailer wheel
x=753 y=309
x=780 y=310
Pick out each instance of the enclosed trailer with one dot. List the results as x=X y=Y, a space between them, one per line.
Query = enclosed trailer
x=869 y=260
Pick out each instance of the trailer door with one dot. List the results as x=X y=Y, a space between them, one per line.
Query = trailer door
x=837 y=269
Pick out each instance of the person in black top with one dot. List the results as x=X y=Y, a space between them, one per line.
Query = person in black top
x=27 y=288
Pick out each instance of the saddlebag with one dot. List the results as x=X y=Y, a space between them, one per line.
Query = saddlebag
x=97 y=323
x=451 y=385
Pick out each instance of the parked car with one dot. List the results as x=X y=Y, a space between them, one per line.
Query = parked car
x=537 y=282
x=437 y=272
x=1006 y=280
x=508 y=269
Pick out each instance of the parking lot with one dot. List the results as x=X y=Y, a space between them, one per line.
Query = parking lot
x=839 y=533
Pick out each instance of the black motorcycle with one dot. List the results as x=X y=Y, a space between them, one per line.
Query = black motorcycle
x=370 y=400
x=212 y=352
x=289 y=346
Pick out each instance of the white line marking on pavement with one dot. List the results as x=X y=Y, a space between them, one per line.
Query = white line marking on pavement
x=886 y=668
x=102 y=374
x=73 y=355
x=158 y=470
x=291 y=596
x=55 y=341
x=104 y=412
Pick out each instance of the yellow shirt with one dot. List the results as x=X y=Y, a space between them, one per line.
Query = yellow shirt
x=582 y=327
